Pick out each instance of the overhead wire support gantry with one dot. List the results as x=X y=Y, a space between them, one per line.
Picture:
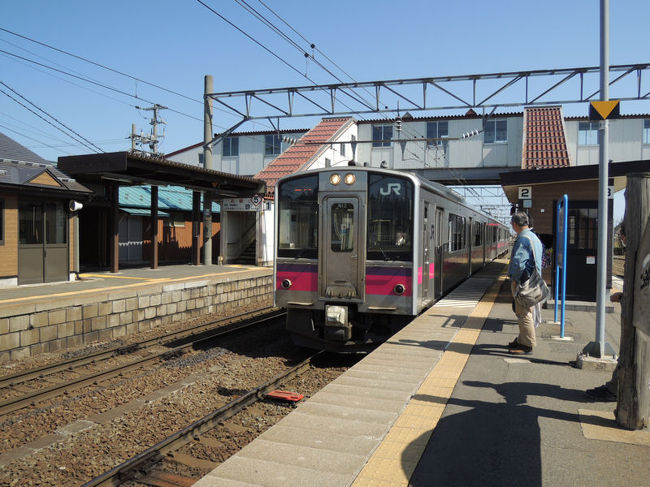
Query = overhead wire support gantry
x=417 y=93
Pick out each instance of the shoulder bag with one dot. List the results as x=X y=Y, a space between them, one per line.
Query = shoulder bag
x=534 y=290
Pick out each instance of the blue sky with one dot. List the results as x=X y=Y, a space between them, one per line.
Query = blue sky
x=174 y=43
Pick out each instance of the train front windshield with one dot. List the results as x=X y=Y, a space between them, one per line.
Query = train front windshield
x=298 y=218
x=390 y=217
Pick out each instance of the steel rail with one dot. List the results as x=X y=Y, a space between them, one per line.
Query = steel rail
x=20 y=402
x=41 y=372
x=126 y=470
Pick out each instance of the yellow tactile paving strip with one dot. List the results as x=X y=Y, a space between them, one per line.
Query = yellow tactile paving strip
x=394 y=461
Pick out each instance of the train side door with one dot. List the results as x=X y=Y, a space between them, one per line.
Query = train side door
x=340 y=272
x=470 y=245
x=428 y=254
x=439 y=259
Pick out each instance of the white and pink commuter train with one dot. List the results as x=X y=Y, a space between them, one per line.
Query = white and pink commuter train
x=360 y=251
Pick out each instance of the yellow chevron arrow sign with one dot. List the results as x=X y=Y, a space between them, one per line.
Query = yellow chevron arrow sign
x=604 y=110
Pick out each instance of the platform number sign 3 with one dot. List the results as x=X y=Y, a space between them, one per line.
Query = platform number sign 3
x=525 y=192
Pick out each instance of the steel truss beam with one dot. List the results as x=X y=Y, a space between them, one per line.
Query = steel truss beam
x=495 y=90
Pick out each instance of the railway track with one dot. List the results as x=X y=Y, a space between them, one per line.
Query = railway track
x=186 y=339
x=138 y=468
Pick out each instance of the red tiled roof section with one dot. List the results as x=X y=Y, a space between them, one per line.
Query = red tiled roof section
x=544 y=139
x=302 y=152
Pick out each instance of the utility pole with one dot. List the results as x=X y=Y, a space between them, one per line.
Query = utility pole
x=152 y=139
x=599 y=348
x=207 y=164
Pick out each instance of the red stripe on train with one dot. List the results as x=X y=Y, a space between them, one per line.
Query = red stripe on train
x=300 y=281
x=384 y=285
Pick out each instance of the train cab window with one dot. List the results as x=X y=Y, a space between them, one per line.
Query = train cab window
x=342 y=227
x=456 y=232
x=298 y=218
x=390 y=217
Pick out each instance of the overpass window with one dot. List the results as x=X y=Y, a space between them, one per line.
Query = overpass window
x=382 y=135
x=495 y=131
x=231 y=147
x=588 y=133
x=646 y=131
x=437 y=130
x=272 y=145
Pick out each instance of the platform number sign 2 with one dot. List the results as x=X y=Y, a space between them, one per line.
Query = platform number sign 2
x=525 y=192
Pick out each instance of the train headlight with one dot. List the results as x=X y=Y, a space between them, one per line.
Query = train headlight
x=286 y=283
x=399 y=289
x=349 y=178
x=335 y=179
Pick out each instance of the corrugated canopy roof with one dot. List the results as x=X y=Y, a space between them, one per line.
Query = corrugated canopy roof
x=134 y=169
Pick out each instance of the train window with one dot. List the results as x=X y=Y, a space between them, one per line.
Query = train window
x=342 y=227
x=456 y=232
x=298 y=218
x=390 y=216
x=478 y=234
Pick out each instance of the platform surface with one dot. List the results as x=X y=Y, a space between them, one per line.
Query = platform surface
x=106 y=282
x=443 y=403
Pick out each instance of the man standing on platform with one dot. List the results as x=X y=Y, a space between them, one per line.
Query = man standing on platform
x=522 y=263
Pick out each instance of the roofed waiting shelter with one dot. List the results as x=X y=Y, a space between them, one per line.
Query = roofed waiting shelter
x=106 y=172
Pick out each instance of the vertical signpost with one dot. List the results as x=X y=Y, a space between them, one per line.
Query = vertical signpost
x=561 y=216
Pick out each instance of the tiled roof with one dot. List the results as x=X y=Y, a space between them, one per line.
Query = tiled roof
x=12 y=150
x=21 y=174
x=302 y=152
x=544 y=144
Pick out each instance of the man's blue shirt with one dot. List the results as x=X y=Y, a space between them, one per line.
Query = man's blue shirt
x=522 y=255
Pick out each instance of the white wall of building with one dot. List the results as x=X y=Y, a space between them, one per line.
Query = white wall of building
x=625 y=142
x=337 y=153
x=267 y=234
x=251 y=158
x=466 y=153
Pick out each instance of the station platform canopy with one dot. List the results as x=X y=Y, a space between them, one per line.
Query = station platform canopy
x=126 y=168
x=104 y=173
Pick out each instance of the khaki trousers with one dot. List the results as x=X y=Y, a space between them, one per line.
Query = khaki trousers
x=525 y=320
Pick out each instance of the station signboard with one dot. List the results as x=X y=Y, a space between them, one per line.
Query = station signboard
x=254 y=203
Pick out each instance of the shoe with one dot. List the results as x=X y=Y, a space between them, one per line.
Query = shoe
x=520 y=349
x=513 y=344
x=601 y=394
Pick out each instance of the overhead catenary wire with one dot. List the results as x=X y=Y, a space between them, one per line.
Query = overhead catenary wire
x=98 y=83
x=32 y=138
x=90 y=145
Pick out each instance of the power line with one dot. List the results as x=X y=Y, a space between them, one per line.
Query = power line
x=95 y=63
x=250 y=9
x=32 y=138
x=62 y=51
x=91 y=146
